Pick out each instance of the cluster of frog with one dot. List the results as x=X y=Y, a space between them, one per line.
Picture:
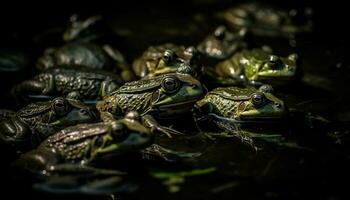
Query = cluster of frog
x=87 y=102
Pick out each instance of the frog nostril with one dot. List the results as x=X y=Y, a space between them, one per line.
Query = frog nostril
x=83 y=112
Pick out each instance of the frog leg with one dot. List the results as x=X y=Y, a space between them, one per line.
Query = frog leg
x=126 y=72
x=107 y=87
x=150 y=122
x=35 y=86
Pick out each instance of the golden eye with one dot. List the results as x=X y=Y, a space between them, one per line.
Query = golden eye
x=168 y=56
x=170 y=84
x=258 y=99
x=60 y=106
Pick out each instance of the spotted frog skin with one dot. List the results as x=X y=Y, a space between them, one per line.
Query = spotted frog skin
x=74 y=148
x=256 y=67
x=89 y=85
x=164 y=59
x=35 y=122
x=164 y=96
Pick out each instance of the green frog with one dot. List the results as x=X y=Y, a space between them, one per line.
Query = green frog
x=164 y=59
x=266 y=20
x=232 y=107
x=85 y=84
x=256 y=67
x=163 y=96
x=35 y=122
x=80 y=150
x=222 y=44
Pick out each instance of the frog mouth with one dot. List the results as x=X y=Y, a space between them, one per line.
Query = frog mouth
x=177 y=105
x=173 y=110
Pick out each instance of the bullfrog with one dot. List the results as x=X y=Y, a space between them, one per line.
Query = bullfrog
x=163 y=96
x=256 y=66
x=165 y=59
x=222 y=44
x=87 y=55
x=33 y=123
x=88 y=84
x=231 y=107
x=80 y=150
x=266 y=20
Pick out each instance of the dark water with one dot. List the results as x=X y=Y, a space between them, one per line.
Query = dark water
x=314 y=166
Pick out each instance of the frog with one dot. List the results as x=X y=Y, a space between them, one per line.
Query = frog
x=165 y=58
x=89 y=28
x=231 y=107
x=80 y=152
x=30 y=125
x=79 y=83
x=164 y=96
x=256 y=66
x=87 y=46
x=222 y=44
x=86 y=55
x=269 y=21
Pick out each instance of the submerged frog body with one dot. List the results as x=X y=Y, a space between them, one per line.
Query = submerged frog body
x=267 y=20
x=256 y=66
x=164 y=96
x=89 y=85
x=73 y=150
x=222 y=44
x=164 y=59
x=35 y=122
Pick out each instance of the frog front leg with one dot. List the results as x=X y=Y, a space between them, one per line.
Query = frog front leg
x=35 y=87
x=150 y=122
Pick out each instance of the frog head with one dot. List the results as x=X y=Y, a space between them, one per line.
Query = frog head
x=274 y=69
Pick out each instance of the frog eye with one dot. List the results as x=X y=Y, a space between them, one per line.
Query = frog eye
x=170 y=84
x=168 y=56
x=274 y=62
x=99 y=142
x=258 y=99
x=60 y=106
x=220 y=32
